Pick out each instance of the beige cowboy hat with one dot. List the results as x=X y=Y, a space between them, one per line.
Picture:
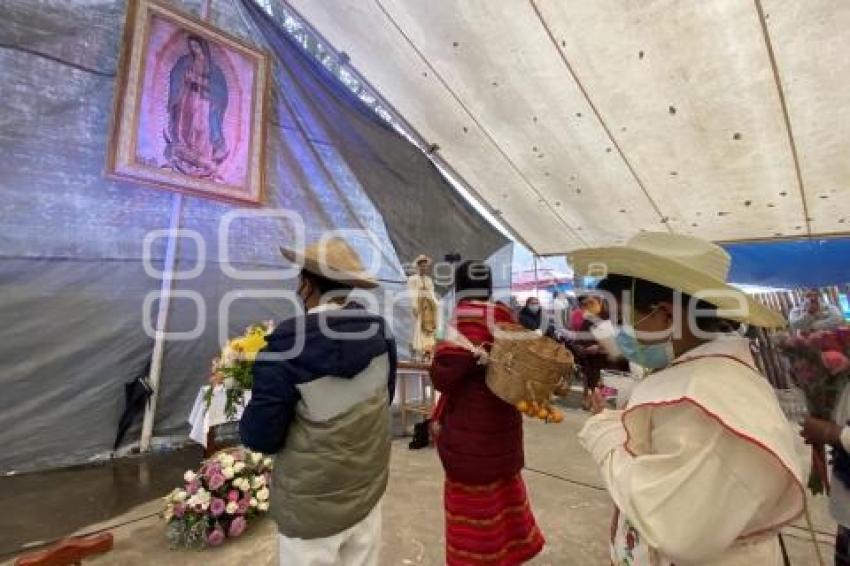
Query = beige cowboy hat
x=420 y=258
x=684 y=263
x=334 y=259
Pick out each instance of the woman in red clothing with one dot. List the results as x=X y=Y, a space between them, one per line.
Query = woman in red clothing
x=488 y=516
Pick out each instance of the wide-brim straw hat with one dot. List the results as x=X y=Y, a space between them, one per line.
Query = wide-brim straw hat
x=683 y=263
x=334 y=259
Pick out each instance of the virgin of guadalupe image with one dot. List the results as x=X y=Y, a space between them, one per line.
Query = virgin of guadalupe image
x=197 y=101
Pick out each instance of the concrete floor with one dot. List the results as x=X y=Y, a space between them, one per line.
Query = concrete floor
x=573 y=512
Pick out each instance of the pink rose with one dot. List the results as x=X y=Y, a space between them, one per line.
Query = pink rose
x=237 y=527
x=215 y=481
x=244 y=505
x=193 y=486
x=179 y=510
x=211 y=469
x=835 y=362
x=233 y=495
x=830 y=341
x=216 y=536
x=217 y=507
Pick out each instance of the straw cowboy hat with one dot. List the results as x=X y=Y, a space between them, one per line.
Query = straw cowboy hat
x=334 y=259
x=420 y=258
x=678 y=262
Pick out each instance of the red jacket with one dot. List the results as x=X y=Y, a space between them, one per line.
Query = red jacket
x=480 y=436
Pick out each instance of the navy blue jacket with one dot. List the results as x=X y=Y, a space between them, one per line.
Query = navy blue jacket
x=275 y=395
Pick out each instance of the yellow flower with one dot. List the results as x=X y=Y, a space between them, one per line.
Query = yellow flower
x=254 y=343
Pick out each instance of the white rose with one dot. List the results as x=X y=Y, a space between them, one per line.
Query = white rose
x=263 y=494
x=267 y=463
x=238 y=467
x=231 y=508
x=258 y=482
x=199 y=500
x=263 y=506
x=179 y=496
x=226 y=460
x=254 y=502
x=256 y=458
x=168 y=514
x=189 y=476
x=244 y=484
x=229 y=382
x=202 y=498
x=228 y=473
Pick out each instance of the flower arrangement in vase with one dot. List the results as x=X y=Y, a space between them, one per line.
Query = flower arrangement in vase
x=232 y=369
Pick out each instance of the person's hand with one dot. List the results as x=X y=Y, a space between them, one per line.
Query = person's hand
x=820 y=432
x=593 y=349
x=596 y=401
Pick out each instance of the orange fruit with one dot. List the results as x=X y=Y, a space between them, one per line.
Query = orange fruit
x=557 y=416
x=522 y=406
x=542 y=414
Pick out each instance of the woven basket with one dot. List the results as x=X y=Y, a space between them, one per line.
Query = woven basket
x=524 y=366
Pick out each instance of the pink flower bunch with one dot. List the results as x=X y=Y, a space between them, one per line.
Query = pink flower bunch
x=219 y=500
x=820 y=366
x=835 y=361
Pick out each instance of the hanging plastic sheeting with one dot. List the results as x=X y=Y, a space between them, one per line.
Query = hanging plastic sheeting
x=72 y=277
x=586 y=121
x=791 y=264
x=392 y=173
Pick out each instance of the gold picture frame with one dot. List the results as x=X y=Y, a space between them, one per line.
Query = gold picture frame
x=189 y=107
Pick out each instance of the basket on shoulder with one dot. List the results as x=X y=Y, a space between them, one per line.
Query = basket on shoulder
x=526 y=369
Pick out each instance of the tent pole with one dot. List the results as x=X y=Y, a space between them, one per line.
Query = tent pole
x=164 y=302
x=536 y=279
x=161 y=322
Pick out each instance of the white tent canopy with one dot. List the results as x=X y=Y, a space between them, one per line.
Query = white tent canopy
x=583 y=122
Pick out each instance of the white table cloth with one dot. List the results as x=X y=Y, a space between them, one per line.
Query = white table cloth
x=203 y=420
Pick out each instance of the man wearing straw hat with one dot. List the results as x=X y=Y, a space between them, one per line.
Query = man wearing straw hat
x=323 y=409
x=702 y=464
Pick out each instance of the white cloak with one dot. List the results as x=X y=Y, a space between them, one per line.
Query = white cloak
x=702 y=463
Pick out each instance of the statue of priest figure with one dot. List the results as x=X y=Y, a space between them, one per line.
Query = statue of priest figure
x=425 y=309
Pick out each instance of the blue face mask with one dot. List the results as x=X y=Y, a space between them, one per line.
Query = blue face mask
x=652 y=356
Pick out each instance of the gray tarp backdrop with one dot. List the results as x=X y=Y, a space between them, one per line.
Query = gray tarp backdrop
x=72 y=283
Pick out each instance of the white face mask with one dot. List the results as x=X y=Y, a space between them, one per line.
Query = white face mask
x=534 y=308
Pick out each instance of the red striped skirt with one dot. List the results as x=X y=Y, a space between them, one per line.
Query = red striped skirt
x=490 y=525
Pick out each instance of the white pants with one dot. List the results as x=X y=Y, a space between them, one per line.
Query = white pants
x=356 y=546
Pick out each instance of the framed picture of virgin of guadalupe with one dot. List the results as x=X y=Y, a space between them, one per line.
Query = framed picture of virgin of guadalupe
x=189 y=107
